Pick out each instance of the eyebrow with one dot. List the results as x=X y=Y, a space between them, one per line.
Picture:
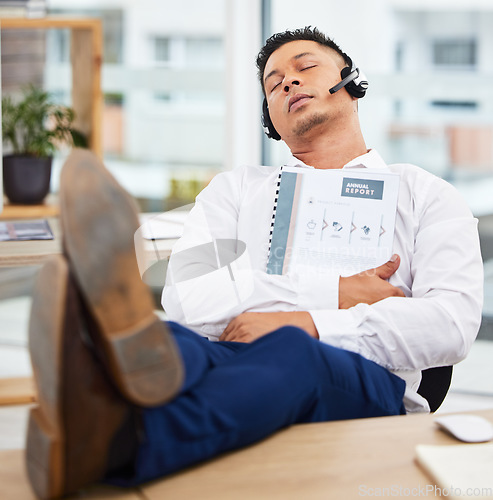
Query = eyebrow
x=296 y=57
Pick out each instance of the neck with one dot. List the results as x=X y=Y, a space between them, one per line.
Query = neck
x=331 y=149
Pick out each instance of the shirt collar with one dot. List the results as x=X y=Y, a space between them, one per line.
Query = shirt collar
x=371 y=160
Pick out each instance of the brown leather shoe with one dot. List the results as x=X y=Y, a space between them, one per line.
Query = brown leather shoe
x=73 y=430
x=99 y=220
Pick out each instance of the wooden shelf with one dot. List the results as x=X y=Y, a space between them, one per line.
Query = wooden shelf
x=49 y=208
x=29 y=212
x=86 y=58
x=16 y=391
x=31 y=252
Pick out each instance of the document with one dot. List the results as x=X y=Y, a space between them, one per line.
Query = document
x=25 y=230
x=168 y=225
x=340 y=221
x=461 y=471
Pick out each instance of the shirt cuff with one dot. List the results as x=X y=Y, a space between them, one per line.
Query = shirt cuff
x=334 y=325
x=317 y=291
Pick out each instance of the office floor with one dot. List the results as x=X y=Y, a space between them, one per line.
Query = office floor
x=471 y=389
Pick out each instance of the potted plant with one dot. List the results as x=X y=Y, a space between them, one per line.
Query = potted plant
x=32 y=130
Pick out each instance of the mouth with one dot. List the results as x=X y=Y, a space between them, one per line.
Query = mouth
x=297 y=101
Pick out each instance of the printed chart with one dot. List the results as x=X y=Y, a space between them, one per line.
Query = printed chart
x=338 y=220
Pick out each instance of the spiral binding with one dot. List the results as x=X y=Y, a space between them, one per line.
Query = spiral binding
x=274 y=208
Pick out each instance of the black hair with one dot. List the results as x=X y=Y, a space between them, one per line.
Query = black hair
x=279 y=39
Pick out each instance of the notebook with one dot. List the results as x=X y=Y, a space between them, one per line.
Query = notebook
x=25 y=230
x=460 y=471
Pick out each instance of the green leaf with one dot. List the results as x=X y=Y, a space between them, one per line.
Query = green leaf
x=36 y=125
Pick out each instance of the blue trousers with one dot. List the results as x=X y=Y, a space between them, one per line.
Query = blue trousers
x=235 y=394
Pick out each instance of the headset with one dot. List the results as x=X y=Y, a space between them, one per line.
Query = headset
x=352 y=79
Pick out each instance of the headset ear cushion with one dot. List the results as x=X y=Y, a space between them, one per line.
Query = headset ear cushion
x=345 y=72
x=269 y=129
x=352 y=88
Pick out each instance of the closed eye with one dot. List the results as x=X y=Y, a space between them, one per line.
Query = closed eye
x=302 y=69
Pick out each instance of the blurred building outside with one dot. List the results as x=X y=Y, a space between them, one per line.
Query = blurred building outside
x=166 y=70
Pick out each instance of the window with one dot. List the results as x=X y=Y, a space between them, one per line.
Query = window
x=190 y=52
x=455 y=54
x=204 y=52
x=455 y=105
x=162 y=49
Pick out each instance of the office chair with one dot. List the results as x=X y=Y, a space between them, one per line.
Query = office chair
x=435 y=383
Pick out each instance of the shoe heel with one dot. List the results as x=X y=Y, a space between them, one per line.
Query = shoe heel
x=43 y=457
x=148 y=364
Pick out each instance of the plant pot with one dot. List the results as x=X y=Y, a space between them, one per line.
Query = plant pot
x=26 y=179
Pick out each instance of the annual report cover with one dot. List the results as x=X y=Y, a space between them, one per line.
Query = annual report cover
x=340 y=220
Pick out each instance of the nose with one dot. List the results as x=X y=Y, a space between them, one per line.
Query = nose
x=290 y=83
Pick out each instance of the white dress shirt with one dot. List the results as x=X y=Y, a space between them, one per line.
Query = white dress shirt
x=217 y=271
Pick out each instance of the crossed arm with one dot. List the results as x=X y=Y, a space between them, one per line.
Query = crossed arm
x=367 y=287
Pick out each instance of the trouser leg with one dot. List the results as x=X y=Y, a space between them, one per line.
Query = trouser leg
x=283 y=378
x=199 y=354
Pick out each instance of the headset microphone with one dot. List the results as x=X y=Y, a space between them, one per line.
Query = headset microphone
x=351 y=77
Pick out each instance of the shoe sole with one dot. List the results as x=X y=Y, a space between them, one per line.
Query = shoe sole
x=44 y=445
x=99 y=220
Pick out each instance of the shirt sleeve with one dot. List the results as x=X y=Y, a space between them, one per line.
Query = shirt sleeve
x=437 y=323
x=211 y=278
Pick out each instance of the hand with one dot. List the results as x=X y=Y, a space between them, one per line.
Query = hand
x=248 y=327
x=369 y=286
